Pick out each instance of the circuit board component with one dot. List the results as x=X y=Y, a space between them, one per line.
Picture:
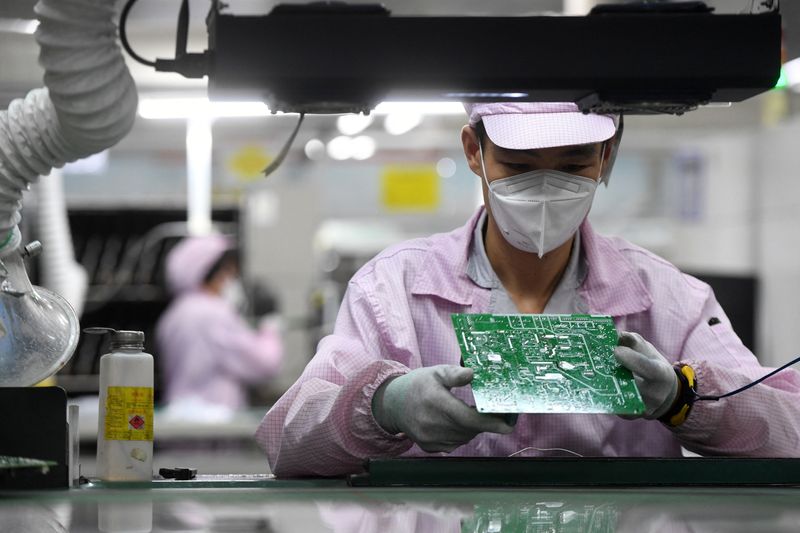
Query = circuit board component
x=541 y=517
x=8 y=463
x=545 y=364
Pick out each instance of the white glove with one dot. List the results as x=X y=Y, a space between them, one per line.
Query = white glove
x=652 y=372
x=421 y=405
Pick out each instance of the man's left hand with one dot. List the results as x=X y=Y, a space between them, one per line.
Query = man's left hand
x=652 y=372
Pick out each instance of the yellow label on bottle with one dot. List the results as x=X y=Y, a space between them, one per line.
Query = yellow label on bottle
x=129 y=413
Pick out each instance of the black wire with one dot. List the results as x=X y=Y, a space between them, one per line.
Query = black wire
x=123 y=36
x=749 y=385
x=771 y=5
x=272 y=167
x=182 y=31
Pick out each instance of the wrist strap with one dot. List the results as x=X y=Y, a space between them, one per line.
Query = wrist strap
x=687 y=394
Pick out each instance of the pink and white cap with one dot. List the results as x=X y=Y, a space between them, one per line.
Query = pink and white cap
x=532 y=125
x=190 y=261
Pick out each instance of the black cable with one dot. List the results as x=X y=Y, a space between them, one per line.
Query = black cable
x=749 y=385
x=273 y=166
x=188 y=65
x=772 y=5
x=123 y=35
x=183 y=30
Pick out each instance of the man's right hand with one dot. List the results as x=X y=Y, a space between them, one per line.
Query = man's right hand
x=421 y=405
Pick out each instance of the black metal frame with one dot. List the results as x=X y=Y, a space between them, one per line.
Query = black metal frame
x=584 y=471
x=302 y=59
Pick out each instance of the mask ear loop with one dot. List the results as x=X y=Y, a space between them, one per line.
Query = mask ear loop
x=483 y=167
x=602 y=161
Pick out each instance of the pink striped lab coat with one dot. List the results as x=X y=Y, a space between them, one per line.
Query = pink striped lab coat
x=396 y=316
x=209 y=353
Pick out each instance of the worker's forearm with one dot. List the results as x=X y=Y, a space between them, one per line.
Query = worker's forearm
x=761 y=422
x=322 y=429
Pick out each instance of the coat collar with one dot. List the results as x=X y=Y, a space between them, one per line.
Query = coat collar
x=444 y=269
x=611 y=287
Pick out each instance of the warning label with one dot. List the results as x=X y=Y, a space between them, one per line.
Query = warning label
x=136 y=422
x=129 y=413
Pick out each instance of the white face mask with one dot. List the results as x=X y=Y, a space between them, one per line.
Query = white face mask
x=540 y=210
x=233 y=292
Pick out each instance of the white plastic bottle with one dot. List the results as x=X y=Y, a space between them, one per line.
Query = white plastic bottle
x=125 y=424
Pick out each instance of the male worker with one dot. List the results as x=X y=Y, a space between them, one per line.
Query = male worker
x=388 y=382
x=208 y=352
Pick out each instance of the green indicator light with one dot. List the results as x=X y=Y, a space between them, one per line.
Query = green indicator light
x=783 y=82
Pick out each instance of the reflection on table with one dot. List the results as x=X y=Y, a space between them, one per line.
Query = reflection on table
x=330 y=506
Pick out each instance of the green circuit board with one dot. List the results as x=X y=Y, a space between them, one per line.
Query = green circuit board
x=545 y=364
x=542 y=517
x=16 y=463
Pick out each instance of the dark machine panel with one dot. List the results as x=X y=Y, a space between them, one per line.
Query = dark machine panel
x=349 y=58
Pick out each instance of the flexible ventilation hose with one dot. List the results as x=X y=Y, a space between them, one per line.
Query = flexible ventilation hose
x=88 y=105
x=59 y=271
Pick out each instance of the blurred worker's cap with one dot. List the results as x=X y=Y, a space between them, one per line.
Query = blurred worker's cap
x=532 y=125
x=190 y=261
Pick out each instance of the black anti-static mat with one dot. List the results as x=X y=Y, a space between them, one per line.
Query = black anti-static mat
x=34 y=425
x=554 y=472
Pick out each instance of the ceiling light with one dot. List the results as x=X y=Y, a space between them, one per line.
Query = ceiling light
x=501 y=96
x=315 y=149
x=363 y=147
x=446 y=167
x=22 y=26
x=188 y=107
x=353 y=124
x=424 y=108
x=340 y=148
x=400 y=123
x=791 y=71
x=183 y=108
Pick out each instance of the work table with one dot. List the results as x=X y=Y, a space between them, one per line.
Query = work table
x=263 y=503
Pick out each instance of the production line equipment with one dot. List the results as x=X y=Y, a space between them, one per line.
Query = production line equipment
x=331 y=57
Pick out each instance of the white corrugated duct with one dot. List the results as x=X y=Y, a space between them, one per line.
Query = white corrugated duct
x=59 y=270
x=88 y=105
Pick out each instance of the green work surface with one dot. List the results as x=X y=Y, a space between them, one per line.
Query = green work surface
x=545 y=364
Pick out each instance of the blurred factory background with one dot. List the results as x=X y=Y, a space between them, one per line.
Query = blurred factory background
x=717 y=192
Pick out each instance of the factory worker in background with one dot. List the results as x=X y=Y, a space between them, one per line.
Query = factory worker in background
x=388 y=381
x=208 y=352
